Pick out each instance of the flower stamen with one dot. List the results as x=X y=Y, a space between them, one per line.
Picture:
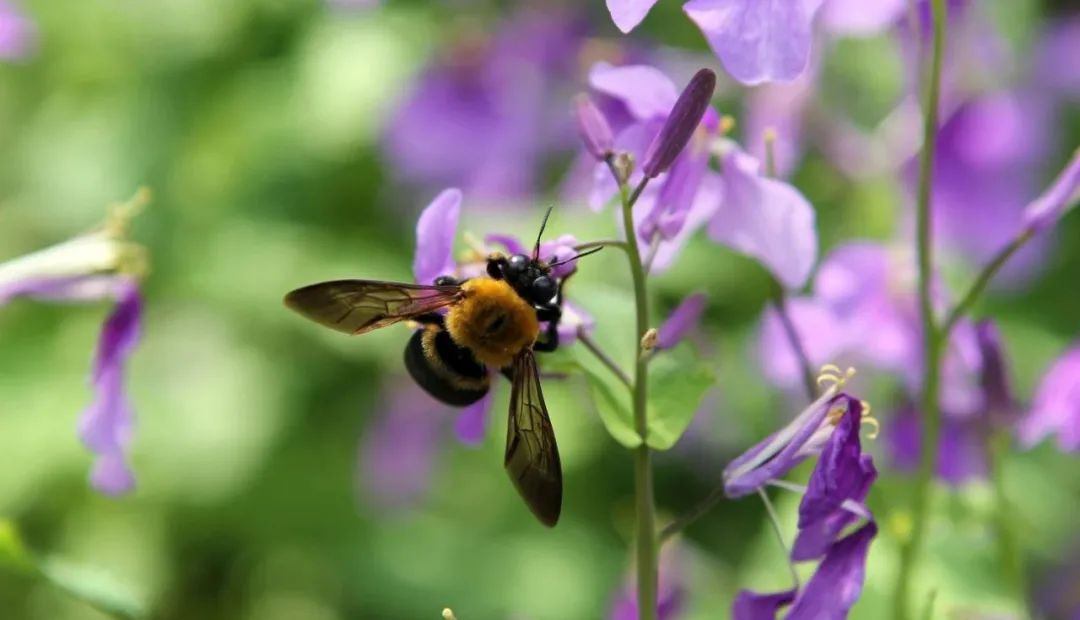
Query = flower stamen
x=869 y=420
x=831 y=377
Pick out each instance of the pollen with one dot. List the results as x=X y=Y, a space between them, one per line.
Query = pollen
x=475 y=251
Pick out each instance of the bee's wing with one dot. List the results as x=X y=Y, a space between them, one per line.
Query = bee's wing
x=359 y=306
x=532 y=458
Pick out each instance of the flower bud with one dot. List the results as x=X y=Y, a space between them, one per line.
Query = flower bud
x=593 y=128
x=685 y=115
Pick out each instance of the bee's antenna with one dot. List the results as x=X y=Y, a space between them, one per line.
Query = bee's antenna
x=585 y=253
x=540 y=235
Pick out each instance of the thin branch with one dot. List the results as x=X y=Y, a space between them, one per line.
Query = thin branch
x=805 y=367
x=595 y=349
x=695 y=513
x=775 y=520
x=980 y=283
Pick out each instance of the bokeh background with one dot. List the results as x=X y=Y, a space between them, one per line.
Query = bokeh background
x=287 y=472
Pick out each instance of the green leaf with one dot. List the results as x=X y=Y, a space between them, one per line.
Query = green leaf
x=93 y=587
x=611 y=396
x=678 y=382
x=12 y=550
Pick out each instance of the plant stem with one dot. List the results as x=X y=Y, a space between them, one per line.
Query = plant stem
x=603 y=243
x=775 y=520
x=984 y=278
x=647 y=570
x=779 y=301
x=586 y=340
x=688 y=518
x=1012 y=559
x=932 y=343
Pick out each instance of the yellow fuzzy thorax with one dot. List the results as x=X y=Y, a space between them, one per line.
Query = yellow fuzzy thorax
x=492 y=321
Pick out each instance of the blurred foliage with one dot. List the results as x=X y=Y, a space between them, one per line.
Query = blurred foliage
x=257 y=125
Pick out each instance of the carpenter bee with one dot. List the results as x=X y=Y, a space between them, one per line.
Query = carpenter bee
x=466 y=327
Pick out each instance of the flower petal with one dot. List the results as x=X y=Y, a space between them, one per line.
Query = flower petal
x=838 y=581
x=842 y=474
x=646 y=91
x=106 y=425
x=861 y=18
x=757 y=41
x=822 y=336
x=750 y=605
x=1055 y=409
x=627 y=14
x=435 y=233
x=961 y=454
x=766 y=219
x=111 y=474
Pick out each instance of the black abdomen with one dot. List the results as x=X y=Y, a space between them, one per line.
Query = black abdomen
x=446 y=371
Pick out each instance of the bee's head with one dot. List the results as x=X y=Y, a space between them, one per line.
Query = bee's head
x=530 y=277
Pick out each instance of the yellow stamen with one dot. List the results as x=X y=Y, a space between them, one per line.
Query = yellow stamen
x=831 y=376
x=120 y=214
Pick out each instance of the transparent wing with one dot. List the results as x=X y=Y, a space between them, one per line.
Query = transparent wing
x=359 y=306
x=532 y=458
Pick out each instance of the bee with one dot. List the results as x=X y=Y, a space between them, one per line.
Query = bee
x=468 y=326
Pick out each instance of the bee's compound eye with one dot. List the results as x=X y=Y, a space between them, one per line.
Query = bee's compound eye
x=543 y=289
x=517 y=264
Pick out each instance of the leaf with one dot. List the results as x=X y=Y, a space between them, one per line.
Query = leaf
x=12 y=550
x=93 y=587
x=678 y=382
x=611 y=397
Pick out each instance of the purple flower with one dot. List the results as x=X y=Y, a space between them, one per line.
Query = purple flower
x=838 y=581
x=766 y=219
x=843 y=475
x=830 y=593
x=832 y=501
x=778 y=108
x=1057 y=199
x=1059 y=42
x=18 y=36
x=990 y=153
x=998 y=399
x=803 y=437
x=1055 y=409
x=398 y=451
x=683 y=319
x=678 y=202
x=670 y=595
x=757 y=41
x=961 y=455
x=96 y=266
x=488 y=111
x=436 y=231
x=627 y=14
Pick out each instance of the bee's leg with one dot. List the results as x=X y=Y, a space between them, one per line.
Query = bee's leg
x=496 y=265
x=552 y=313
x=448 y=281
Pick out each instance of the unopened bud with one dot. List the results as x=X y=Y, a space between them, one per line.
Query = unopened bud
x=648 y=341
x=448 y=614
x=680 y=125
x=593 y=128
x=623 y=165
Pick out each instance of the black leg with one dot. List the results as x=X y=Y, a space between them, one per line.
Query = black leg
x=447 y=281
x=551 y=313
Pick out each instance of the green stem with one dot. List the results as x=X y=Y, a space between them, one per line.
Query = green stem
x=647 y=571
x=586 y=340
x=779 y=301
x=984 y=278
x=1012 y=558
x=932 y=342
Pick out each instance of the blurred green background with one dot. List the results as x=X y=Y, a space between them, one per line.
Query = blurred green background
x=257 y=124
